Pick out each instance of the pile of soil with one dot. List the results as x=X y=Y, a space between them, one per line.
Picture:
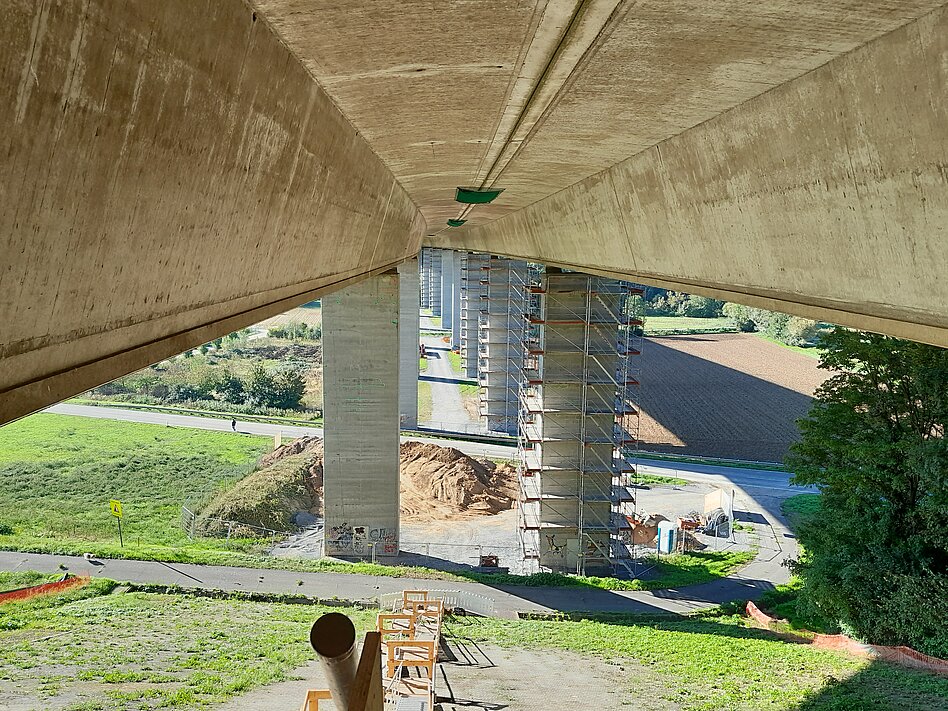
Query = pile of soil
x=286 y=490
x=442 y=482
x=283 y=493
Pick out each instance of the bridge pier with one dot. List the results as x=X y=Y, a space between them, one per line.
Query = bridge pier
x=361 y=411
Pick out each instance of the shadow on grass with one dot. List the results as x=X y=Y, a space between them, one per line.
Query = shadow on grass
x=880 y=685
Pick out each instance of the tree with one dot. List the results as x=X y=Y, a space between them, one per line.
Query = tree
x=288 y=388
x=876 y=558
x=701 y=307
x=229 y=388
x=259 y=385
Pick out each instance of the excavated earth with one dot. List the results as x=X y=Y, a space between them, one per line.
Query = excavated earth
x=441 y=483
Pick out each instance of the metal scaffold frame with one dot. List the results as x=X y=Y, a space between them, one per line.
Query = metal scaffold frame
x=500 y=342
x=578 y=421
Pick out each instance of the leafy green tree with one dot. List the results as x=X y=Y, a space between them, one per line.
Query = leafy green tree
x=701 y=307
x=288 y=389
x=229 y=388
x=259 y=385
x=874 y=443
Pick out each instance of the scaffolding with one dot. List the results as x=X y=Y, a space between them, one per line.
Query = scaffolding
x=578 y=422
x=430 y=268
x=500 y=342
x=472 y=290
x=424 y=271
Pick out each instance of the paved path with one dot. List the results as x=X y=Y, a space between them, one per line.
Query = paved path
x=758 y=496
x=447 y=409
x=508 y=600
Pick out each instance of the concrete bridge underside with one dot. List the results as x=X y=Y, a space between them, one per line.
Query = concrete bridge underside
x=174 y=171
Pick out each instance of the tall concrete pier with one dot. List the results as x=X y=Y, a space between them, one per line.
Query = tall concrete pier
x=577 y=419
x=448 y=285
x=408 y=322
x=434 y=281
x=360 y=389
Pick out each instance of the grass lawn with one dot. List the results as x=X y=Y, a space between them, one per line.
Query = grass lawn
x=810 y=352
x=657 y=325
x=422 y=365
x=86 y=650
x=674 y=571
x=424 y=401
x=57 y=474
x=660 y=479
x=469 y=389
x=142 y=651
x=455 y=360
x=801 y=507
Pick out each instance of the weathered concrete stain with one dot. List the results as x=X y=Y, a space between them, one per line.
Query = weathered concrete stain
x=824 y=197
x=166 y=166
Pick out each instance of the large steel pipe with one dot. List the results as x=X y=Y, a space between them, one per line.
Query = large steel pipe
x=333 y=636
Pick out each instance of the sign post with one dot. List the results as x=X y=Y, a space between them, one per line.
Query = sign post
x=115 y=506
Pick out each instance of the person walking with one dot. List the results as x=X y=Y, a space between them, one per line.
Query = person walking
x=233 y=425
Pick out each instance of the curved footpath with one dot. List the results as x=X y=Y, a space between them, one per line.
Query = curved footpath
x=748 y=583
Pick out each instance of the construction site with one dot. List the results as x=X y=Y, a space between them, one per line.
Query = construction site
x=558 y=360
x=465 y=439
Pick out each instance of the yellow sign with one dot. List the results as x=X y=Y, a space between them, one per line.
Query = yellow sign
x=115 y=507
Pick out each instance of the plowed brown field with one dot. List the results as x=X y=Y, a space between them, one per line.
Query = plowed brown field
x=724 y=395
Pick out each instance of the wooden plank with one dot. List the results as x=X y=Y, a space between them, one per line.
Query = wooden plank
x=367 y=692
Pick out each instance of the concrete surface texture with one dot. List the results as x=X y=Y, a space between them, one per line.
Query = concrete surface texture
x=360 y=386
x=170 y=174
x=173 y=172
x=408 y=323
x=824 y=197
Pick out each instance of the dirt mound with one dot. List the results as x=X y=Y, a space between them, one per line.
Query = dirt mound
x=286 y=490
x=444 y=482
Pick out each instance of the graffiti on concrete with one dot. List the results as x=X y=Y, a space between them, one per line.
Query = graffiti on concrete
x=346 y=539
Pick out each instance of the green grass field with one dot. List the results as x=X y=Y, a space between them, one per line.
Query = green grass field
x=657 y=325
x=87 y=650
x=424 y=401
x=810 y=352
x=58 y=473
x=801 y=507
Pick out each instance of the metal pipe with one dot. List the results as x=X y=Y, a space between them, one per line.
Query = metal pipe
x=333 y=637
